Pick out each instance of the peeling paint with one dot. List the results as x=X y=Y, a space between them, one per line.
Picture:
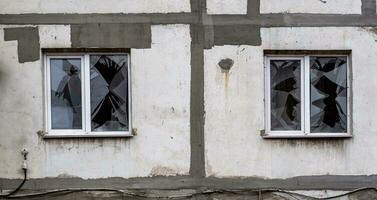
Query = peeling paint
x=372 y=30
x=163 y=171
x=65 y=175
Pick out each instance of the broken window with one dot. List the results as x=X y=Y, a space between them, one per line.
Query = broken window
x=66 y=104
x=285 y=94
x=88 y=94
x=307 y=96
x=109 y=92
x=328 y=94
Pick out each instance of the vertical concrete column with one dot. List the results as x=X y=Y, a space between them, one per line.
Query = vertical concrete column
x=197 y=161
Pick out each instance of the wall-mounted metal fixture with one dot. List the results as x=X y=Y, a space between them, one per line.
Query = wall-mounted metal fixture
x=24 y=153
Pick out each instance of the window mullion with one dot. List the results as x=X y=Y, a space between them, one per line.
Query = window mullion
x=86 y=104
x=307 y=94
x=267 y=95
x=48 y=93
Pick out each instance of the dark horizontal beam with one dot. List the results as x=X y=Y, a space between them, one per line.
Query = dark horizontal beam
x=179 y=18
x=263 y=20
x=329 y=182
x=296 y=20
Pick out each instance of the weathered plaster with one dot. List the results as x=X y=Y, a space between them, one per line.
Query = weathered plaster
x=112 y=150
x=55 y=36
x=161 y=112
x=161 y=99
x=216 y=7
x=94 y=6
x=20 y=103
x=235 y=115
x=311 y=6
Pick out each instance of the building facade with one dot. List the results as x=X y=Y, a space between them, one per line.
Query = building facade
x=188 y=99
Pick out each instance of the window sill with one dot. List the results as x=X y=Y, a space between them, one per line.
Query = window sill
x=303 y=135
x=88 y=135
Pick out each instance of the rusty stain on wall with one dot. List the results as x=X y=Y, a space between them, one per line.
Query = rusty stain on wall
x=225 y=65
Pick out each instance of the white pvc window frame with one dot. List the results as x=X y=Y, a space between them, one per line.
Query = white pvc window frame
x=85 y=92
x=305 y=99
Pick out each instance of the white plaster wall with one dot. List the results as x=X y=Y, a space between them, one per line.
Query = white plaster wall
x=235 y=110
x=94 y=6
x=19 y=104
x=161 y=114
x=216 y=7
x=311 y=6
x=58 y=36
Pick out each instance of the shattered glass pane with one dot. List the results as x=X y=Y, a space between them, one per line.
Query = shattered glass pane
x=328 y=93
x=66 y=107
x=109 y=92
x=285 y=94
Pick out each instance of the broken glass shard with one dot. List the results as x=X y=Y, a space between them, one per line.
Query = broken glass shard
x=328 y=94
x=109 y=92
x=66 y=105
x=285 y=77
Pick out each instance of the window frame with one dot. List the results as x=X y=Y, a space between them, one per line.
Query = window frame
x=85 y=131
x=305 y=98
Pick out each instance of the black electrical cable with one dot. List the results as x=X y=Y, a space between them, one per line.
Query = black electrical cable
x=292 y=194
x=19 y=187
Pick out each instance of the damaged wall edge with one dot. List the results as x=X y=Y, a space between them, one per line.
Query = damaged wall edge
x=28 y=46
